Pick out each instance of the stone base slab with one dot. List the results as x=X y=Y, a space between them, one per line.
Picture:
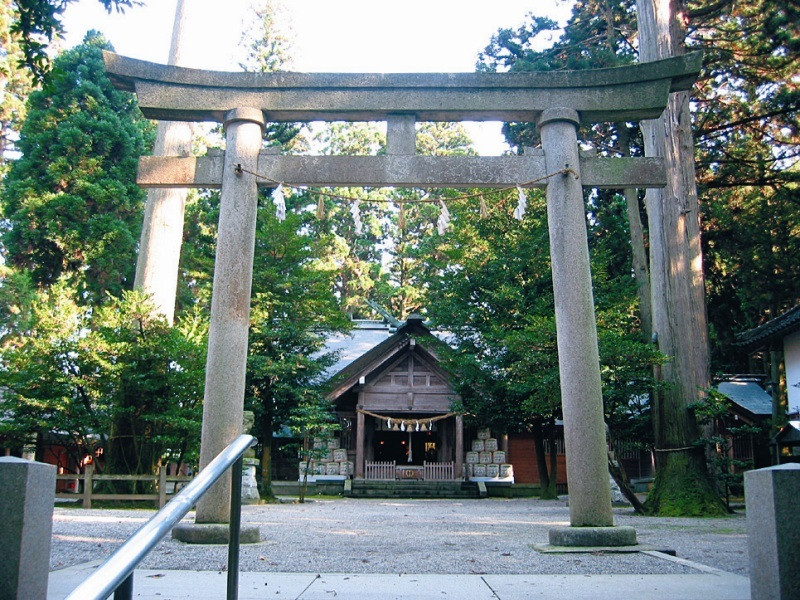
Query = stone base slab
x=592 y=536
x=213 y=533
x=645 y=549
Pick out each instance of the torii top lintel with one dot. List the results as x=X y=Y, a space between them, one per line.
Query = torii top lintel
x=632 y=92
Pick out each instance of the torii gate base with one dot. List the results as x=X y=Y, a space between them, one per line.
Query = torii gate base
x=558 y=102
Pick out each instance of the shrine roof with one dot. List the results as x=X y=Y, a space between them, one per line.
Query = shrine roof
x=774 y=329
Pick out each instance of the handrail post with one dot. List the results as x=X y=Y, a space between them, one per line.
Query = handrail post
x=125 y=589
x=235 y=527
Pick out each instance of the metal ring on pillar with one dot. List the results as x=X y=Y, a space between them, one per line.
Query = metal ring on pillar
x=551 y=115
x=253 y=115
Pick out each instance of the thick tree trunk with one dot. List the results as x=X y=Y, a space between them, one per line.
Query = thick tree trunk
x=162 y=226
x=682 y=485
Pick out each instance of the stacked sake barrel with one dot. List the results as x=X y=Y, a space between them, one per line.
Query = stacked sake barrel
x=331 y=461
x=485 y=460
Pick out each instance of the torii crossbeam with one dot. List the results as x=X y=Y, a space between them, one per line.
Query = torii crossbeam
x=558 y=102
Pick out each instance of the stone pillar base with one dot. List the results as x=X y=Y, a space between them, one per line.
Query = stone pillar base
x=592 y=536
x=213 y=533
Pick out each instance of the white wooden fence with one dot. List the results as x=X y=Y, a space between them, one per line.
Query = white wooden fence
x=434 y=471
x=380 y=470
x=438 y=471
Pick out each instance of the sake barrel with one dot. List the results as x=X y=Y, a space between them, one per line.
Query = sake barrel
x=340 y=455
x=319 y=443
x=498 y=457
x=320 y=469
x=344 y=468
x=302 y=466
x=331 y=468
x=478 y=446
x=479 y=470
x=506 y=470
x=485 y=458
x=493 y=470
x=469 y=470
x=333 y=443
x=484 y=434
x=490 y=444
x=472 y=457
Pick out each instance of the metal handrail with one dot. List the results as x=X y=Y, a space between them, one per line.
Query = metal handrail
x=117 y=570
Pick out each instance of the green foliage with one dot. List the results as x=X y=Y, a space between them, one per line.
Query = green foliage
x=713 y=413
x=494 y=294
x=73 y=372
x=70 y=204
x=38 y=23
x=293 y=312
x=747 y=126
x=15 y=82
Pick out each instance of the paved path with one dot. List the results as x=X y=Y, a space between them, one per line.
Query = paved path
x=415 y=549
x=210 y=585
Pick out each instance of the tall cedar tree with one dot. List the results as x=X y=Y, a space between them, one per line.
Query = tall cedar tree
x=70 y=204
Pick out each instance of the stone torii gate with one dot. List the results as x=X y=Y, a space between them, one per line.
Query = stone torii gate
x=557 y=102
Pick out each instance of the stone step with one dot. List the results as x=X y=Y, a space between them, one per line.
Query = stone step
x=413 y=489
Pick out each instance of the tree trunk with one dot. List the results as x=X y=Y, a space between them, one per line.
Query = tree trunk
x=551 y=437
x=682 y=485
x=266 y=464
x=162 y=226
x=641 y=271
x=617 y=471
x=547 y=485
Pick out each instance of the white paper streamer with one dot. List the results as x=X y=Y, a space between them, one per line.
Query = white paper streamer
x=522 y=204
x=444 y=218
x=354 y=211
x=279 y=202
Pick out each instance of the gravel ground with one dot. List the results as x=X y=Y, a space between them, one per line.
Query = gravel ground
x=409 y=536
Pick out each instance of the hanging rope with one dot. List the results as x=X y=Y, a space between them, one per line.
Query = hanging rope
x=239 y=169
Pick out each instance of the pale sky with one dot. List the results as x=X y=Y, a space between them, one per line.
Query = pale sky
x=329 y=35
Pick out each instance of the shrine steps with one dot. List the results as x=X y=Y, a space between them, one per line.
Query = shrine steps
x=414 y=489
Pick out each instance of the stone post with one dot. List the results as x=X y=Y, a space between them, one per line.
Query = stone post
x=28 y=489
x=772 y=531
x=230 y=304
x=578 y=357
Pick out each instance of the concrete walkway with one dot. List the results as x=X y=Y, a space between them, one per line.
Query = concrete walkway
x=706 y=584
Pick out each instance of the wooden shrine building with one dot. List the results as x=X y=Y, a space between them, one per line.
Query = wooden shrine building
x=394 y=403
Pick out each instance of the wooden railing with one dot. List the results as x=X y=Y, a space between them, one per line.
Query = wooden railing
x=438 y=471
x=380 y=470
x=89 y=478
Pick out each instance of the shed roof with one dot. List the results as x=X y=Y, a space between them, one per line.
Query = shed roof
x=789 y=433
x=748 y=395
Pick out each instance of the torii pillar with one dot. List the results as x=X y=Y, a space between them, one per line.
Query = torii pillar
x=223 y=402
x=590 y=513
